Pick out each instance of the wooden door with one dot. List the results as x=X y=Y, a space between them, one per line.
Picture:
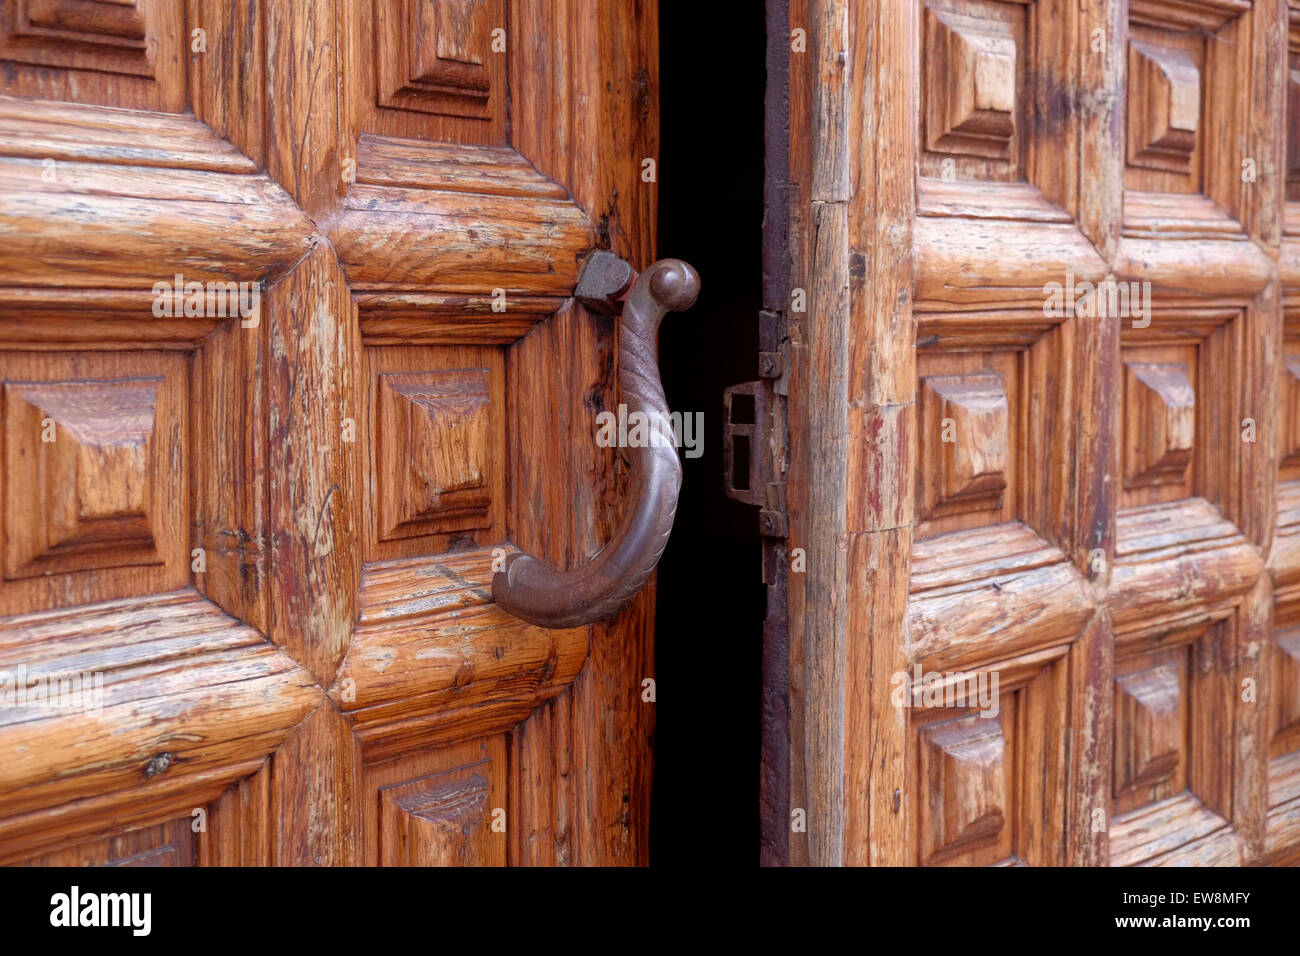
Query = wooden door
x=1097 y=505
x=263 y=533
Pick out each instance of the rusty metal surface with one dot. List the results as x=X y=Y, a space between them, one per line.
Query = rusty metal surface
x=539 y=594
x=604 y=278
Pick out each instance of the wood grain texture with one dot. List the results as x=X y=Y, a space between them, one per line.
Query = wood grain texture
x=611 y=53
x=62 y=826
x=1007 y=582
x=94 y=503
x=313 y=514
x=433 y=660
x=227 y=80
x=1251 y=725
x=1202 y=267
x=304 y=112
x=1128 y=502
x=126 y=137
x=404 y=87
x=189 y=698
x=582 y=482
x=315 y=801
x=528 y=247
x=107 y=53
x=418 y=318
x=166 y=844
x=425 y=211
x=447 y=807
x=480 y=170
x=240 y=824
x=1177 y=563
x=119 y=227
x=392 y=431
x=229 y=478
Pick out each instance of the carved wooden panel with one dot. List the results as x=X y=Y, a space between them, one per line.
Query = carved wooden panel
x=96 y=470
x=1159 y=423
x=1175 y=709
x=967 y=455
x=238 y=515
x=439 y=820
x=439 y=68
x=1285 y=719
x=977 y=802
x=442 y=808
x=437 y=420
x=87 y=489
x=163 y=844
x=1181 y=103
x=1293 y=126
x=1207 y=15
x=973 y=87
x=1289 y=433
x=1171 y=421
x=1143 y=434
x=967 y=766
x=969 y=415
x=57 y=47
x=435 y=56
x=1151 y=732
x=437 y=424
x=1164 y=106
x=1282 y=831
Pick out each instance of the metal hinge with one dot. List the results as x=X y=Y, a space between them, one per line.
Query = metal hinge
x=754 y=442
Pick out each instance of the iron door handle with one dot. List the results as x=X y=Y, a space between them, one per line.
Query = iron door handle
x=539 y=594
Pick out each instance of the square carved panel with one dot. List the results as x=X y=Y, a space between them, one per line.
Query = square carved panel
x=1285 y=691
x=966 y=766
x=1164 y=105
x=1185 y=59
x=1288 y=448
x=1159 y=422
x=966 y=438
x=84 y=453
x=165 y=844
x=976 y=73
x=438 y=427
x=1182 y=426
x=50 y=31
x=437 y=455
x=95 y=472
x=970 y=83
x=1150 y=728
x=1164 y=413
x=969 y=414
x=140 y=39
x=441 y=807
x=1175 y=700
x=436 y=56
x=985 y=791
x=439 y=820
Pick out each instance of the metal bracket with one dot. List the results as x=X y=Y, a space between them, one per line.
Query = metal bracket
x=747 y=453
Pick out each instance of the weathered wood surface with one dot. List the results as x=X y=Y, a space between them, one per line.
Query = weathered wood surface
x=281 y=574
x=979 y=480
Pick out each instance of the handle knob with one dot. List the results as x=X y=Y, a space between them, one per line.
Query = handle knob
x=541 y=595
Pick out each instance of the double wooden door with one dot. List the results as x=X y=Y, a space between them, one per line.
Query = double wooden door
x=290 y=364
x=1091 y=498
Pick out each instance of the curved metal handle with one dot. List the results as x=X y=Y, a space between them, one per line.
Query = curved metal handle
x=529 y=589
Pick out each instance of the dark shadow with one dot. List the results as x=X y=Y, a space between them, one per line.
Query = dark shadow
x=711 y=597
